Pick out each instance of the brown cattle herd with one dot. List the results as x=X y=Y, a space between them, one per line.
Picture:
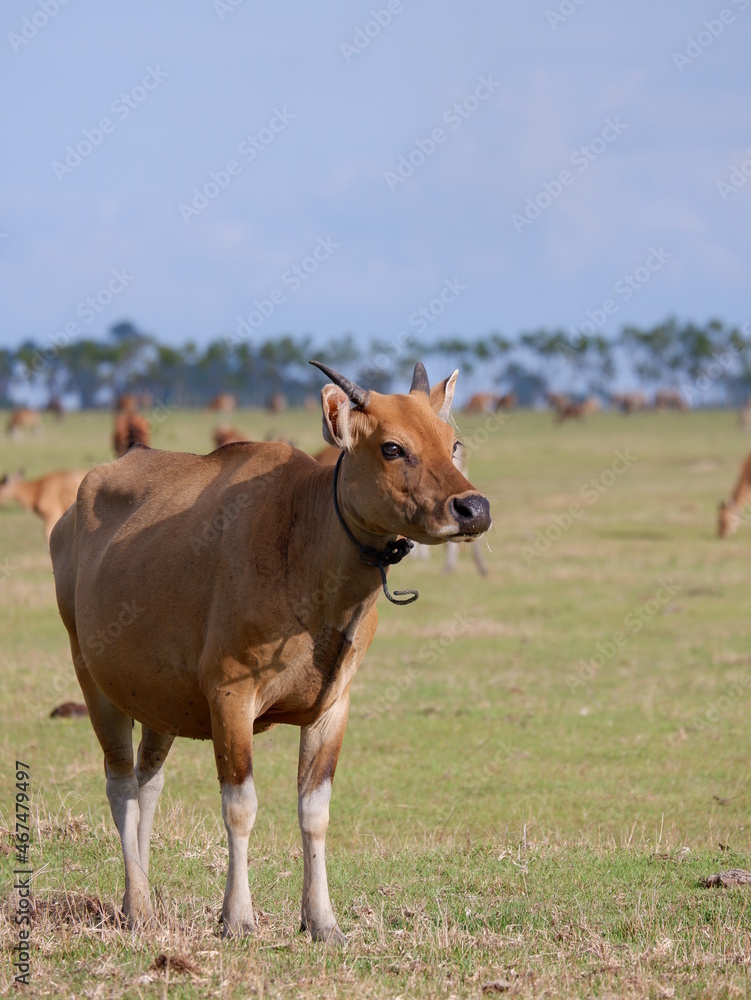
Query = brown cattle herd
x=50 y=495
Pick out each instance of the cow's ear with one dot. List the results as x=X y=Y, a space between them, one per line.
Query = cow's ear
x=442 y=396
x=342 y=424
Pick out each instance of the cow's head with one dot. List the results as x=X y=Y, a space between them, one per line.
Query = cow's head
x=7 y=482
x=398 y=477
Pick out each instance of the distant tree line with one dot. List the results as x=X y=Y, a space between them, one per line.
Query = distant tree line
x=710 y=364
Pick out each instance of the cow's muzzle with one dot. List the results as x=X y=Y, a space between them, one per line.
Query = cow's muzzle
x=471 y=511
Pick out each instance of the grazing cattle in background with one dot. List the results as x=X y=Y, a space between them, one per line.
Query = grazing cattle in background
x=670 y=399
x=130 y=429
x=49 y=496
x=571 y=411
x=55 y=407
x=277 y=403
x=557 y=400
x=23 y=419
x=225 y=402
x=250 y=577
x=228 y=435
x=126 y=402
x=730 y=510
x=507 y=401
x=482 y=402
x=629 y=402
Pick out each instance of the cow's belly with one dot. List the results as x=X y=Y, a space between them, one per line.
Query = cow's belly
x=165 y=698
x=156 y=675
x=293 y=688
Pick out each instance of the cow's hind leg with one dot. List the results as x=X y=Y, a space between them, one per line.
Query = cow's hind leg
x=320 y=744
x=152 y=752
x=114 y=730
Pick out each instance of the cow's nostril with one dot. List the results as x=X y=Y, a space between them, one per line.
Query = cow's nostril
x=472 y=512
x=461 y=508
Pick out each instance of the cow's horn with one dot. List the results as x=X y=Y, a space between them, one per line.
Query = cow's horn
x=360 y=397
x=420 y=379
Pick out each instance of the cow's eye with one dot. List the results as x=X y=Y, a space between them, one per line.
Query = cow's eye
x=457 y=445
x=392 y=450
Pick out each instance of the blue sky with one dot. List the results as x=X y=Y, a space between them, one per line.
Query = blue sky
x=317 y=106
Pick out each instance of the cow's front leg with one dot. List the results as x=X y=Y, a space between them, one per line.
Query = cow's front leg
x=233 y=749
x=320 y=744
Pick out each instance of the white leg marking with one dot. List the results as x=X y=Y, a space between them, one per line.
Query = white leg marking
x=317 y=914
x=122 y=793
x=152 y=753
x=148 y=795
x=239 y=807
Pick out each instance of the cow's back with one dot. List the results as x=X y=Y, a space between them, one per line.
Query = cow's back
x=166 y=509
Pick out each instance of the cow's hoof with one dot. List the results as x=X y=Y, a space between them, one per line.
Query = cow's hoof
x=237 y=929
x=326 y=935
x=137 y=913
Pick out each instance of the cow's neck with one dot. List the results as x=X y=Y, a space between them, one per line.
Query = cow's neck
x=333 y=567
x=388 y=550
x=358 y=534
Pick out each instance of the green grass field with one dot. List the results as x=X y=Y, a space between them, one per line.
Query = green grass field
x=540 y=766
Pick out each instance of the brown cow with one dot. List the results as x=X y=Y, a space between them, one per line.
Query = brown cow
x=731 y=510
x=49 y=497
x=630 y=402
x=225 y=402
x=126 y=402
x=482 y=402
x=130 y=429
x=507 y=401
x=670 y=399
x=277 y=403
x=55 y=407
x=557 y=400
x=570 y=411
x=23 y=419
x=244 y=585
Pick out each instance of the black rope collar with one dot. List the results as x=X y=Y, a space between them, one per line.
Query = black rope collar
x=393 y=553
